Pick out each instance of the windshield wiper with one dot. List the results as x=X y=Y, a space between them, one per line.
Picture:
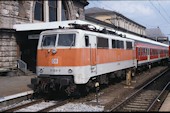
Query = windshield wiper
x=71 y=44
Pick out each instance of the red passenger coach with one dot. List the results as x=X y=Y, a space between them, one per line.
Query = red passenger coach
x=169 y=52
x=148 y=53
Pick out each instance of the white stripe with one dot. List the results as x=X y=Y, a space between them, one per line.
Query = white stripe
x=83 y=73
x=151 y=60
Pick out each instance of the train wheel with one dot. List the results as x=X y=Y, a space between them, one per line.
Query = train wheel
x=71 y=90
x=84 y=90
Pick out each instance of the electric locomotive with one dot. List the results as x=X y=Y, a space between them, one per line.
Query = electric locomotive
x=71 y=59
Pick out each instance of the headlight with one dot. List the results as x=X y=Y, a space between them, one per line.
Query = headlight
x=41 y=70
x=54 y=51
x=70 y=71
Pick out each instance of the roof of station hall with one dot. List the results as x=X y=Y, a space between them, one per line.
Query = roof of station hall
x=100 y=11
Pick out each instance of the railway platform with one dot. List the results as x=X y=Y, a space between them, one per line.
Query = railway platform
x=10 y=85
x=166 y=105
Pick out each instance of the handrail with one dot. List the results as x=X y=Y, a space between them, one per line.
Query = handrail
x=22 y=65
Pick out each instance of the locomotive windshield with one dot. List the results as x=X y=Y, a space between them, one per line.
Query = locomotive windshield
x=66 y=40
x=48 y=40
x=63 y=40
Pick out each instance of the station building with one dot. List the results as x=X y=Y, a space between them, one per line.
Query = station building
x=157 y=35
x=21 y=46
x=114 y=20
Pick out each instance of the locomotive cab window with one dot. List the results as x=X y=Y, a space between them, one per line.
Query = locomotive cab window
x=117 y=44
x=66 y=40
x=48 y=41
x=86 y=41
x=121 y=43
x=113 y=43
x=129 y=45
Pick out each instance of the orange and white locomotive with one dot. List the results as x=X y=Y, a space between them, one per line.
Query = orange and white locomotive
x=71 y=59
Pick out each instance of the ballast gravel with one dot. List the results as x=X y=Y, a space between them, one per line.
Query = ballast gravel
x=78 y=107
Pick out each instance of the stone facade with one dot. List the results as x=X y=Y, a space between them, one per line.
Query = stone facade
x=13 y=12
x=8 y=49
x=22 y=11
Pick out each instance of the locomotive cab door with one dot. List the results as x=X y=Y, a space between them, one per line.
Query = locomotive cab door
x=93 y=52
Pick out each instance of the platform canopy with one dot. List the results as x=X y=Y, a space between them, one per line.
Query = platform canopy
x=57 y=24
x=48 y=25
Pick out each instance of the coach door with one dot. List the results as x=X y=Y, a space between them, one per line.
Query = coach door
x=148 y=54
x=93 y=53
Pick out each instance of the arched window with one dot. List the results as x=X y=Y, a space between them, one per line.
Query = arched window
x=39 y=10
x=52 y=10
x=64 y=12
x=22 y=11
x=47 y=10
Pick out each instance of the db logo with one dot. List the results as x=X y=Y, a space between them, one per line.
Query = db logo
x=55 y=61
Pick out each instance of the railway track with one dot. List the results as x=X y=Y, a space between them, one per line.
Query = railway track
x=23 y=105
x=148 y=97
x=16 y=98
x=147 y=92
x=38 y=105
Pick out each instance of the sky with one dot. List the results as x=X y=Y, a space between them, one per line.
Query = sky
x=149 y=13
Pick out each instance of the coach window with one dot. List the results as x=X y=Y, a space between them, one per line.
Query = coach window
x=39 y=10
x=154 y=52
x=86 y=41
x=146 y=51
x=102 y=42
x=139 y=51
x=143 y=51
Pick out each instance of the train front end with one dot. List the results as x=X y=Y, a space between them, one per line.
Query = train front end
x=58 y=60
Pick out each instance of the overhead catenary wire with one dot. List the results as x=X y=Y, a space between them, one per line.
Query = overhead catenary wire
x=153 y=4
x=163 y=9
x=159 y=12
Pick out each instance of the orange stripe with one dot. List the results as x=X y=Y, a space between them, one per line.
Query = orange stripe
x=81 y=57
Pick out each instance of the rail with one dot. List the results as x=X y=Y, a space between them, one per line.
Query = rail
x=22 y=65
x=128 y=99
x=159 y=96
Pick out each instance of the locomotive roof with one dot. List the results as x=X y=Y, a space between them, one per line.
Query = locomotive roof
x=128 y=36
x=85 y=32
